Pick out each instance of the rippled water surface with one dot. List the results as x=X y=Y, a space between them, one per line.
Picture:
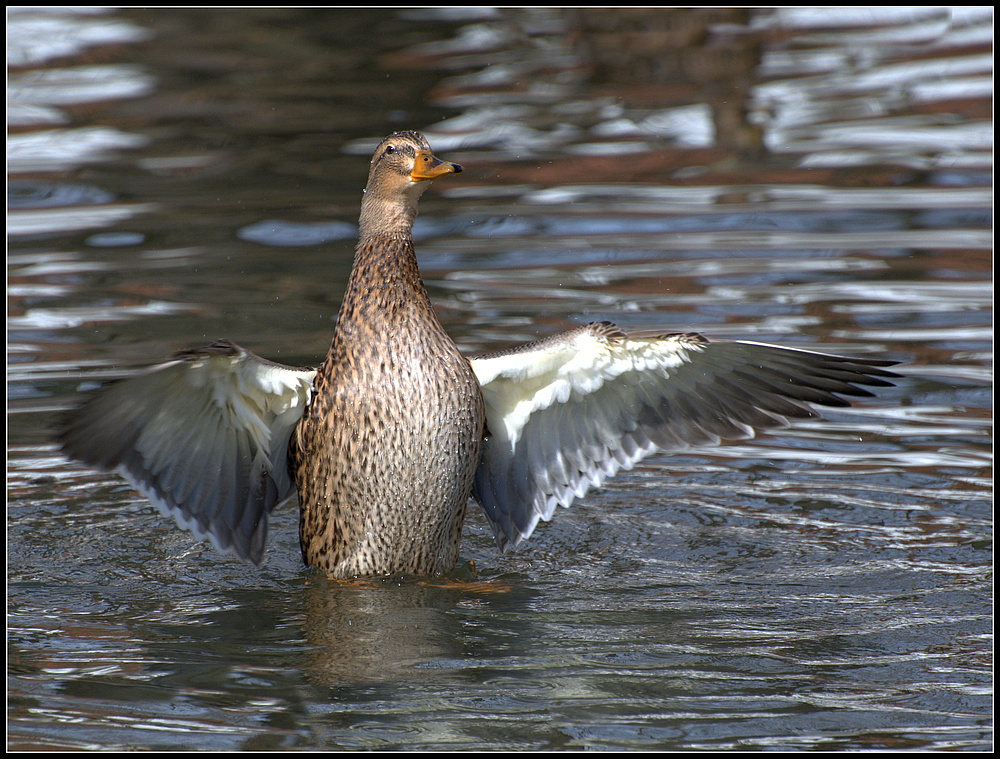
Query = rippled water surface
x=812 y=178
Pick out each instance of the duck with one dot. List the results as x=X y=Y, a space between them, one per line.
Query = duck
x=385 y=443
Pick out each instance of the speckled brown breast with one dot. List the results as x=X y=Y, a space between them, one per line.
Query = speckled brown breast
x=384 y=457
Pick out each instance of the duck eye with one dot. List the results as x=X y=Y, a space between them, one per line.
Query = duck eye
x=390 y=149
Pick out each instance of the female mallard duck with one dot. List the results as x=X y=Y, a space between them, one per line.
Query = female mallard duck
x=387 y=439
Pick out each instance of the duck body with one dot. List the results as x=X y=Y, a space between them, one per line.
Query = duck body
x=385 y=442
x=394 y=428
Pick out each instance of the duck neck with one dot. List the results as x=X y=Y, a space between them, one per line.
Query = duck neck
x=384 y=219
x=389 y=212
x=385 y=262
x=384 y=292
x=384 y=287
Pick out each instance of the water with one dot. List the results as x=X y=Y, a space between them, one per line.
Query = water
x=813 y=178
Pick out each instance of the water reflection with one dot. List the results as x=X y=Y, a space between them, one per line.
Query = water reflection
x=386 y=630
x=37 y=35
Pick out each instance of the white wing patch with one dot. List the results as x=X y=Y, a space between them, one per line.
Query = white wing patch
x=520 y=383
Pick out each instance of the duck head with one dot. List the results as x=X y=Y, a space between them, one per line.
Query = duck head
x=401 y=169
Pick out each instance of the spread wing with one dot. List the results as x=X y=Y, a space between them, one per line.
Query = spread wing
x=565 y=413
x=204 y=436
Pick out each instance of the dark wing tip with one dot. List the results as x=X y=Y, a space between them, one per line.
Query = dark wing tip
x=221 y=347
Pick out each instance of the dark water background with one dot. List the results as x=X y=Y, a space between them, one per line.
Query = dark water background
x=813 y=178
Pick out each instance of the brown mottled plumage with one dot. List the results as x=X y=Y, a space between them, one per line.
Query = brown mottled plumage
x=385 y=454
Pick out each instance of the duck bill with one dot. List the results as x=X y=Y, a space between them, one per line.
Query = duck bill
x=427 y=166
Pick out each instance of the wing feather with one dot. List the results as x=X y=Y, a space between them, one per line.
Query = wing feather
x=566 y=413
x=204 y=436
